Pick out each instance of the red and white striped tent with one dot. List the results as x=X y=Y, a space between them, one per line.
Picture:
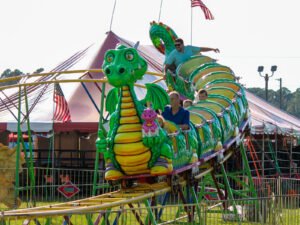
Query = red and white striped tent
x=84 y=105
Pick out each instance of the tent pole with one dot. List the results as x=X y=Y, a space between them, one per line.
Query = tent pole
x=112 y=15
x=290 y=158
x=263 y=152
x=7 y=107
x=276 y=143
x=90 y=96
x=12 y=103
x=161 y=2
x=191 y=25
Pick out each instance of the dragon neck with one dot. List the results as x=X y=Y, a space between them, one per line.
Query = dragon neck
x=128 y=96
x=161 y=33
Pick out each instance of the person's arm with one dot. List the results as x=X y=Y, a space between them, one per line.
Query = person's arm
x=169 y=61
x=184 y=126
x=186 y=121
x=205 y=49
x=165 y=113
x=166 y=67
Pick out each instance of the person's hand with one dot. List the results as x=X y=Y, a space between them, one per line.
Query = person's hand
x=165 y=76
x=216 y=50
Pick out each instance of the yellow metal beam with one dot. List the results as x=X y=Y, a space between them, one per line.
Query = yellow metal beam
x=64 y=72
x=92 y=204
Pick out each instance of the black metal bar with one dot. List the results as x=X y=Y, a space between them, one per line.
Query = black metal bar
x=220 y=194
x=137 y=216
x=181 y=195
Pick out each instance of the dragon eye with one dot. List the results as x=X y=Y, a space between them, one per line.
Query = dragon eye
x=129 y=55
x=110 y=57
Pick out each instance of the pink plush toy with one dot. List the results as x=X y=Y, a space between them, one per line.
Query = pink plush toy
x=150 y=128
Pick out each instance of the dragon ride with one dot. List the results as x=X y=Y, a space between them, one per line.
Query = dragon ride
x=152 y=158
x=136 y=143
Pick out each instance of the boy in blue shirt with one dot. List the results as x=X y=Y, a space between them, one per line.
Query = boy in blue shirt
x=176 y=113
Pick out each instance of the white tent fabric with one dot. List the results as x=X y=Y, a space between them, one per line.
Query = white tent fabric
x=84 y=105
x=269 y=119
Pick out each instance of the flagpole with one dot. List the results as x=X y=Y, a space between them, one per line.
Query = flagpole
x=112 y=15
x=161 y=2
x=191 y=25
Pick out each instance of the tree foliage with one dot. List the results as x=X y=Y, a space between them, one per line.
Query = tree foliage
x=290 y=100
x=8 y=73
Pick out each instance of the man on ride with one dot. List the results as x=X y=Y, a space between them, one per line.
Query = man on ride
x=176 y=113
x=182 y=53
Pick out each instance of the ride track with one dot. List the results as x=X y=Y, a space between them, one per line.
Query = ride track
x=125 y=195
x=140 y=192
x=145 y=187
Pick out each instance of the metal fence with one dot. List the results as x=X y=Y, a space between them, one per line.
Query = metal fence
x=277 y=202
x=276 y=210
x=48 y=180
x=267 y=187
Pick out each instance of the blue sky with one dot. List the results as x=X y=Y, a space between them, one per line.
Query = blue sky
x=249 y=33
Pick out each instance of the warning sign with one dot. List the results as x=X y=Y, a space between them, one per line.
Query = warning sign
x=68 y=189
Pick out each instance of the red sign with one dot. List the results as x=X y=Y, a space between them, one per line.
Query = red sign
x=68 y=189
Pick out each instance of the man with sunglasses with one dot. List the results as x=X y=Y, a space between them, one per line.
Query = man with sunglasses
x=182 y=53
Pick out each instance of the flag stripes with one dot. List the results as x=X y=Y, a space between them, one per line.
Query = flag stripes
x=207 y=13
x=62 y=113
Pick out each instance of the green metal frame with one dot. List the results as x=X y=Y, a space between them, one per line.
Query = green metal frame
x=29 y=161
x=102 y=129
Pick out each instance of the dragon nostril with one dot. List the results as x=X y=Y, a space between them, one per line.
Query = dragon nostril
x=121 y=70
x=107 y=71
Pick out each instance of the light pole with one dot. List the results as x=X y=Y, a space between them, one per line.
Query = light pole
x=260 y=69
x=238 y=79
x=280 y=92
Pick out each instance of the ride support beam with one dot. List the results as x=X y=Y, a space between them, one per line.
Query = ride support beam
x=230 y=194
x=136 y=214
x=186 y=208
x=98 y=219
x=150 y=213
x=106 y=216
x=17 y=181
x=220 y=194
x=166 y=197
x=30 y=163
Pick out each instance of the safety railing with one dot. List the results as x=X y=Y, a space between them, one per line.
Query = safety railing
x=275 y=210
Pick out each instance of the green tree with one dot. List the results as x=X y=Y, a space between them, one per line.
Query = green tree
x=39 y=70
x=8 y=73
x=258 y=92
x=290 y=101
x=293 y=106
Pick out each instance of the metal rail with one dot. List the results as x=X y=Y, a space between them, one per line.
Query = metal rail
x=93 y=204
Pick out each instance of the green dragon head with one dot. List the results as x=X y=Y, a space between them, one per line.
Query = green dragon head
x=123 y=66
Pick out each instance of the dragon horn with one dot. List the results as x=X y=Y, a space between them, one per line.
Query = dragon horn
x=136 y=45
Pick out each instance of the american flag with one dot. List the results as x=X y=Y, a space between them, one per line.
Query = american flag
x=206 y=11
x=62 y=112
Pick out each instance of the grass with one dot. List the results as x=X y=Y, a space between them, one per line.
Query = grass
x=285 y=216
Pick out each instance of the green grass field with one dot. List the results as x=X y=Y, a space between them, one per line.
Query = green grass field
x=284 y=216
